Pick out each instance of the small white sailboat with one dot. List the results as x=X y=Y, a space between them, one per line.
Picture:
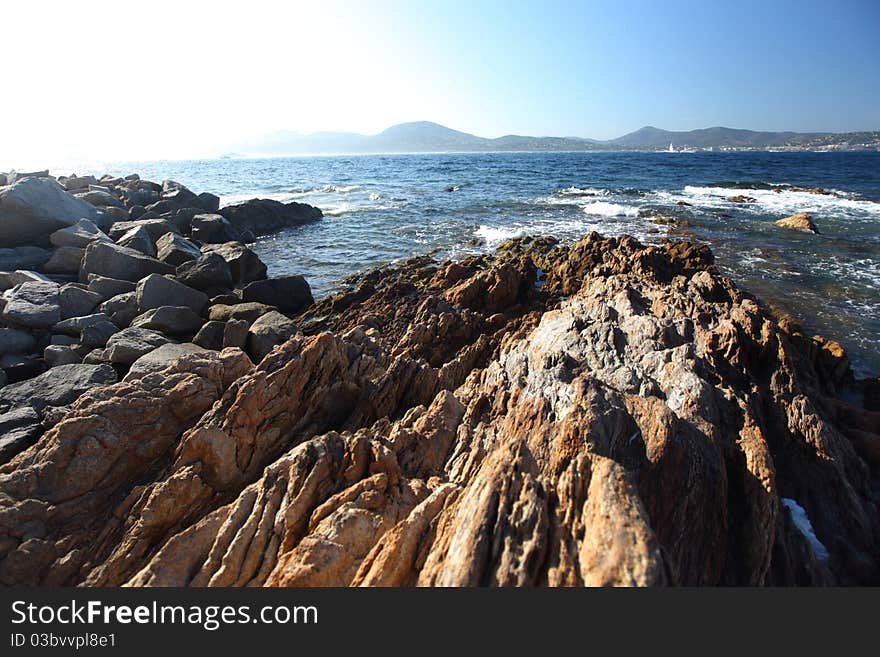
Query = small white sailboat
x=671 y=149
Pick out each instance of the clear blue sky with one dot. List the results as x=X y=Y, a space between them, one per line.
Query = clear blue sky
x=181 y=79
x=605 y=68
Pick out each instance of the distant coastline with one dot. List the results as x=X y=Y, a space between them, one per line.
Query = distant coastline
x=428 y=137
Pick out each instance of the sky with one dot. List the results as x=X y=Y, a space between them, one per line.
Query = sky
x=169 y=80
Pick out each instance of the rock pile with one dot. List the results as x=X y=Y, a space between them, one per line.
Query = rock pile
x=600 y=414
x=96 y=274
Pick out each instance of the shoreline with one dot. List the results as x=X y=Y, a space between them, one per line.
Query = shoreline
x=565 y=391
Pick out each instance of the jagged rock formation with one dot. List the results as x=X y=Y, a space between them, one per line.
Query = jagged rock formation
x=601 y=414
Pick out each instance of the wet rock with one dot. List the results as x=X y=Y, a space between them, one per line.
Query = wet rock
x=267 y=332
x=244 y=264
x=290 y=294
x=741 y=198
x=170 y=320
x=262 y=216
x=33 y=208
x=205 y=272
x=800 y=221
x=79 y=235
x=114 y=261
x=129 y=344
x=176 y=250
x=155 y=291
x=34 y=304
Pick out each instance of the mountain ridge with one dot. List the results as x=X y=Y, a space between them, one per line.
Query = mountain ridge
x=427 y=136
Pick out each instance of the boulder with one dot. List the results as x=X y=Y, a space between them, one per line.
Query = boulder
x=97 y=334
x=14 y=176
x=33 y=208
x=79 y=235
x=210 y=336
x=139 y=239
x=100 y=198
x=63 y=340
x=23 y=257
x=800 y=221
x=267 y=332
x=207 y=271
x=34 y=304
x=19 y=429
x=176 y=250
x=114 y=261
x=76 y=302
x=244 y=264
x=116 y=214
x=155 y=228
x=263 y=216
x=170 y=320
x=130 y=344
x=155 y=291
x=122 y=308
x=56 y=354
x=235 y=333
x=9 y=279
x=249 y=312
x=741 y=198
x=109 y=287
x=58 y=387
x=178 y=194
x=78 y=183
x=290 y=294
x=15 y=341
x=137 y=211
x=75 y=325
x=64 y=260
x=160 y=358
x=208 y=202
x=213 y=229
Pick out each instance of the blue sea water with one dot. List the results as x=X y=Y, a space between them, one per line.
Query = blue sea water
x=383 y=208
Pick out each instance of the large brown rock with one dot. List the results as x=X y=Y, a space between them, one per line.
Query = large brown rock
x=636 y=420
x=800 y=221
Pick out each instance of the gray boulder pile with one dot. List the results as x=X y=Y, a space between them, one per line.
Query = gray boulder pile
x=102 y=277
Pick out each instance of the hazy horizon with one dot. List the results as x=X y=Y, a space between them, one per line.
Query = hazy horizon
x=171 y=81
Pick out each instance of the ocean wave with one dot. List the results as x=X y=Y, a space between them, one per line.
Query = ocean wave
x=582 y=191
x=493 y=236
x=779 y=201
x=605 y=209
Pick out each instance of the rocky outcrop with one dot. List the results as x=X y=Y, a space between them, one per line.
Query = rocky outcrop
x=800 y=221
x=635 y=419
x=262 y=216
x=32 y=208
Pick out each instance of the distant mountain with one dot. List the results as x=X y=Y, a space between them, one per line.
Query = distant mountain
x=425 y=136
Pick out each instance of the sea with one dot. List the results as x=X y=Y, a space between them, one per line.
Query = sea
x=381 y=209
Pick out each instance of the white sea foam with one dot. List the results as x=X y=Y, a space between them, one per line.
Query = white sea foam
x=339 y=189
x=781 y=202
x=802 y=522
x=583 y=191
x=493 y=236
x=605 y=209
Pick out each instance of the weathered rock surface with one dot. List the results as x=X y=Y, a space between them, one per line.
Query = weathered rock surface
x=635 y=420
x=155 y=291
x=244 y=265
x=76 y=301
x=129 y=344
x=170 y=320
x=205 y=272
x=64 y=260
x=34 y=304
x=266 y=333
x=160 y=358
x=58 y=387
x=79 y=235
x=175 y=249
